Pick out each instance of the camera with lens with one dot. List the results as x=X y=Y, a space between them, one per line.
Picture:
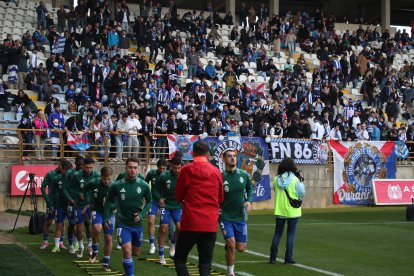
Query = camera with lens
x=297 y=173
x=32 y=176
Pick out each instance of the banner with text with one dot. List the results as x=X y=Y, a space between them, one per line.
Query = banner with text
x=183 y=143
x=301 y=151
x=20 y=178
x=393 y=191
x=252 y=157
x=356 y=165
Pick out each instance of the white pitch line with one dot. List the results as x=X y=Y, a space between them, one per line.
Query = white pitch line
x=223 y=266
x=336 y=223
x=250 y=262
x=297 y=265
x=215 y=264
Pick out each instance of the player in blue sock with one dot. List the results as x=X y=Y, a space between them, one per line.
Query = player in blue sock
x=169 y=207
x=129 y=193
x=99 y=190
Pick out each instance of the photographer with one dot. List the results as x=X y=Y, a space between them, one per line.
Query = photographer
x=289 y=190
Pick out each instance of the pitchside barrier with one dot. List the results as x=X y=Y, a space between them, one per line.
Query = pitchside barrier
x=15 y=148
x=335 y=172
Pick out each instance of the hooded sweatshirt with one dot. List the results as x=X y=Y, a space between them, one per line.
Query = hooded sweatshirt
x=200 y=189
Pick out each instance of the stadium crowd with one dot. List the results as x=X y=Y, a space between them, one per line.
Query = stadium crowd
x=118 y=94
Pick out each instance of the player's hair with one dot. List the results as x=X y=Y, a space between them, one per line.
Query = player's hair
x=175 y=160
x=162 y=162
x=79 y=158
x=132 y=159
x=88 y=160
x=106 y=171
x=286 y=165
x=179 y=154
x=200 y=148
x=65 y=164
x=229 y=150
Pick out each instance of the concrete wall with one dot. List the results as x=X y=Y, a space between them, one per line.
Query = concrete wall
x=318 y=182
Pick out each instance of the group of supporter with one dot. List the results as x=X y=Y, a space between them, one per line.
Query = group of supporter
x=120 y=95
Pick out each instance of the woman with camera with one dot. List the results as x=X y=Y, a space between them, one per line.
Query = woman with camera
x=40 y=123
x=289 y=190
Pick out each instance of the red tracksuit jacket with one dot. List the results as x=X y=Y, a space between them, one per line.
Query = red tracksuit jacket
x=200 y=189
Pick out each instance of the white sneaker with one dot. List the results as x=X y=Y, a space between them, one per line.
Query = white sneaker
x=172 y=250
x=79 y=254
x=152 y=249
x=90 y=250
x=162 y=261
x=71 y=250
x=118 y=247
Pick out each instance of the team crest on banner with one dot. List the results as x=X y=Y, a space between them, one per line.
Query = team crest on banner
x=357 y=164
x=252 y=157
x=183 y=144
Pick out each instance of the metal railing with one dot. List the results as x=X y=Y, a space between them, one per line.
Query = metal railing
x=147 y=152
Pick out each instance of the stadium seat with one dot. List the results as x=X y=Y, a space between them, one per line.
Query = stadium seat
x=242 y=78
x=260 y=79
x=9 y=116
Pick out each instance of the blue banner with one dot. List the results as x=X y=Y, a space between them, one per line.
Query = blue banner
x=253 y=157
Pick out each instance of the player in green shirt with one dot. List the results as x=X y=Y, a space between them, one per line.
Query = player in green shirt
x=99 y=189
x=238 y=193
x=59 y=201
x=122 y=176
x=133 y=198
x=71 y=216
x=50 y=212
x=79 y=201
x=151 y=178
x=169 y=207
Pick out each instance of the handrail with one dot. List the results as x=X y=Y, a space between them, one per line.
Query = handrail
x=145 y=147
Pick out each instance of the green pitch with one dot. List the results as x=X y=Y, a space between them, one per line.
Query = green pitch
x=348 y=241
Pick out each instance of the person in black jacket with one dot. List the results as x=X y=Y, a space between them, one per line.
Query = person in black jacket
x=140 y=31
x=162 y=142
x=305 y=130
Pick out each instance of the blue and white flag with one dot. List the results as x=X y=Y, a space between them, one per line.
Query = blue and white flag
x=12 y=70
x=59 y=45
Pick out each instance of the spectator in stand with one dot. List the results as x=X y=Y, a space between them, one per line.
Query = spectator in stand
x=41 y=12
x=122 y=18
x=291 y=42
x=56 y=122
x=26 y=122
x=82 y=12
x=192 y=62
x=40 y=123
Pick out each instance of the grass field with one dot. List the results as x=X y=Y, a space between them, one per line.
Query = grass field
x=346 y=241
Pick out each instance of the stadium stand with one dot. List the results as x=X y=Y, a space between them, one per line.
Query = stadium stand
x=349 y=67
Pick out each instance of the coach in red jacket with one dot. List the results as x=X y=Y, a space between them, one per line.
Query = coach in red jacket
x=200 y=189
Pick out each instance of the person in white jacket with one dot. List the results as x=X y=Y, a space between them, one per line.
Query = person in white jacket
x=335 y=134
x=318 y=130
x=363 y=134
x=122 y=136
x=134 y=126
